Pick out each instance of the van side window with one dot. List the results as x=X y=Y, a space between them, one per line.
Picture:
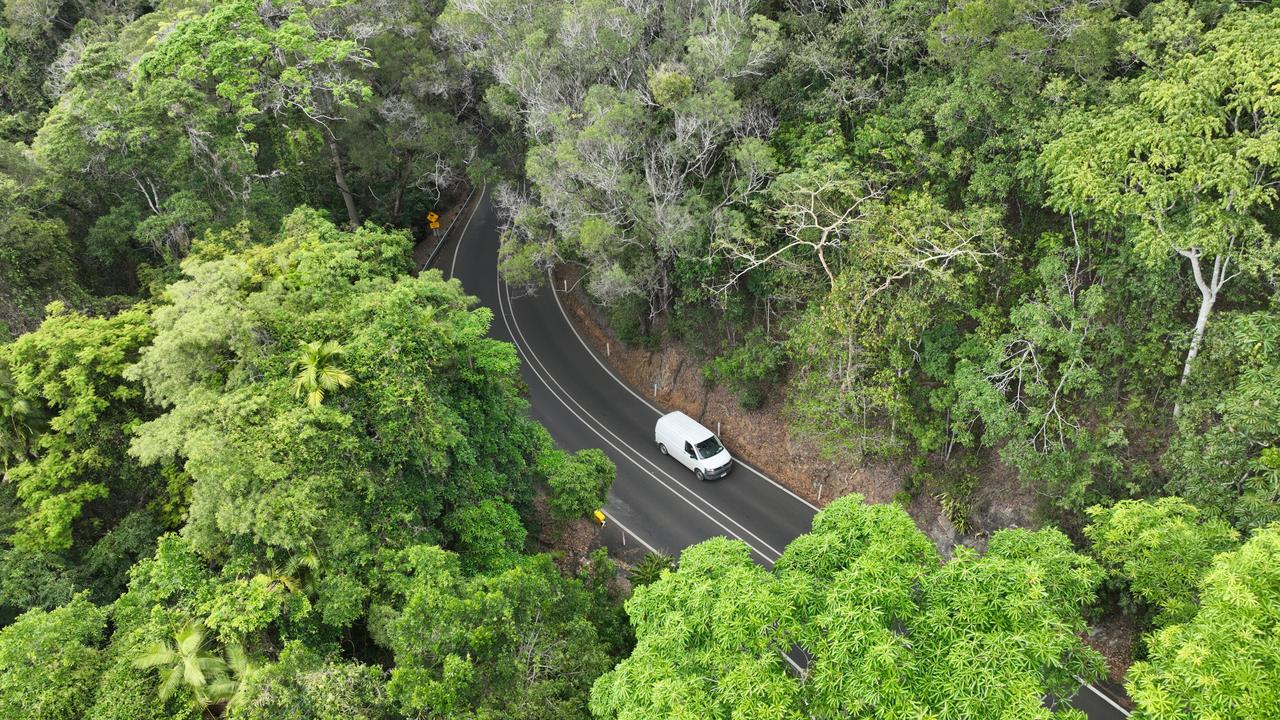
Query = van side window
x=688 y=449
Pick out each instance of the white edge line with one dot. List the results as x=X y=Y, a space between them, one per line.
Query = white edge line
x=551 y=283
x=628 y=531
x=1103 y=695
x=624 y=453
x=462 y=233
x=550 y=377
x=445 y=235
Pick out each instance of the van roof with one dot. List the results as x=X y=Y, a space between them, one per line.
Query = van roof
x=686 y=426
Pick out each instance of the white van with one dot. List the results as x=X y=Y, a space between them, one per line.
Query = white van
x=696 y=447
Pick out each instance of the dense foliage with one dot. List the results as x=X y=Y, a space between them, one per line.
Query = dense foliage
x=1028 y=229
x=317 y=536
x=254 y=467
x=1198 y=670
x=886 y=629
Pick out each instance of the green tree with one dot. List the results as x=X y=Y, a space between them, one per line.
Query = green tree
x=291 y=507
x=513 y=644
x=21 y=422
x=579 y=481
x=909 y=267
x=1223 y=662
x=35 y=252
x=293 y=61
x=1182 y=159
x=635 y=117
x=888 y=631
x=1224 y=455
x=50 y=662
x=304 y=685
x=71 y=369
x=1160 y=550
x=1035 y=386
x=709 y=643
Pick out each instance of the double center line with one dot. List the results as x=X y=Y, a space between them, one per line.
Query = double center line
x=639 y=458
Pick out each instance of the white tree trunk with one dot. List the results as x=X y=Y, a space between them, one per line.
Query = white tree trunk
x=1208 y=296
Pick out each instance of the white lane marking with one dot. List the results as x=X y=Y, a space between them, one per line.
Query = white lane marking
x=551 y=283
x=635 y=535
x=528 y=349
x=624 y=453
x=1102 y=695
x=458 y=246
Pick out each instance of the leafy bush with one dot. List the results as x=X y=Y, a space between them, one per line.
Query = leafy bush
x=955 y=495
x=749 y=369
x=50 y=661
x=579 y=482
x=690 y=323
x=650 y=568
x=1160 y=550
x=629 y=319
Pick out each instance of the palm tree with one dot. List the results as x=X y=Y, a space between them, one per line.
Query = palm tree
x=21 y=422
x=650 y=568
x=318 y=372
x=186 y=661
x=232 y=686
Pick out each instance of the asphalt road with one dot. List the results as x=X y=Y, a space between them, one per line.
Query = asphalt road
x=655 y=503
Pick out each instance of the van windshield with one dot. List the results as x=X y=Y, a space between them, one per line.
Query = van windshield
x=709 y=448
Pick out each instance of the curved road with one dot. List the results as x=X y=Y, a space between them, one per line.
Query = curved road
x=655 y=503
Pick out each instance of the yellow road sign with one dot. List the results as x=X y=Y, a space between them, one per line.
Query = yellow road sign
x=433 y=225
x=432 y=217
x=599 y=517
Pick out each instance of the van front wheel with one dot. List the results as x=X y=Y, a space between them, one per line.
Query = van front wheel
x=662 y=448
x=698 y=474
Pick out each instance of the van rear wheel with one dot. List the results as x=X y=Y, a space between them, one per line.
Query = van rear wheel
x=698 y=474
x=662 y=448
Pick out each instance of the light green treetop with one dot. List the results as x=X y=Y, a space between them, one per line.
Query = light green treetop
x=1225 y=661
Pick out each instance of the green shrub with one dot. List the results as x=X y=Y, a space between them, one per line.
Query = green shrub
x=650 y=568
x=749 y=369
x=628 y=317
x=957 y=482
x=689 y=324
x=917 y=482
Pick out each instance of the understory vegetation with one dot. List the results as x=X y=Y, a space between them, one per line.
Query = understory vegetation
x=255 y=466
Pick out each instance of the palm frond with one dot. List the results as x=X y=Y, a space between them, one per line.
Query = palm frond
x=317 y=372
x=192 y=674
x=155 y=655
x=223 y=689
x=171 y=682
x=190 y=638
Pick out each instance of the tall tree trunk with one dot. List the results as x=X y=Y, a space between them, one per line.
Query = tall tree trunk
x=353 y=215
x=1208 y=296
